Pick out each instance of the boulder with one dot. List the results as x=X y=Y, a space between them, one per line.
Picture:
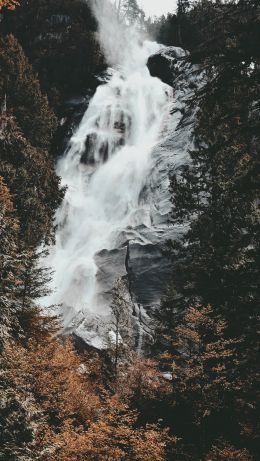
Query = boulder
x=164 y=64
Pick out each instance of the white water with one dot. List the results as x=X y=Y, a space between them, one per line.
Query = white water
x=104 y=194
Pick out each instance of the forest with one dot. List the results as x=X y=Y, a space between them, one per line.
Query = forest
x=194 y=395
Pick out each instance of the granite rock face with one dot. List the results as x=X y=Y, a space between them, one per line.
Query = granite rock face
x=140 y=259
x=134 y=251
x=164 y=64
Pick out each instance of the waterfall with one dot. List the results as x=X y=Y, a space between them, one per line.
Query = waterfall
x=114 y=218
x=105 y=169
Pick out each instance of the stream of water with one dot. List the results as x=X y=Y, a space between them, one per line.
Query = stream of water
x=106 y=168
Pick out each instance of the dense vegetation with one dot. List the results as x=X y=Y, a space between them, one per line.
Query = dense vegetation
x=212 y=304
x=55 y=404
x=59 y=38
x=63 y=404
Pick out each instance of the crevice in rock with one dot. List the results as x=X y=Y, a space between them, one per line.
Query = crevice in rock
x=128 y=271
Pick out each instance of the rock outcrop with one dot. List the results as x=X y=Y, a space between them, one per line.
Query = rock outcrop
x=164 y=64
x=134 y=251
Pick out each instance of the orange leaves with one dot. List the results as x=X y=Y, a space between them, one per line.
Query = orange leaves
x=199 y=316
x=150 y=445
x=187 y=334
x=8 y=222
x=107 y=441
x=141 y=379
x=202 y=362
x=226 y=452
x=59 y=383
x=79 y=420
x=51 y=372
x=200 y=327
x=9 y=4
x=7 y=211
x=5 y=198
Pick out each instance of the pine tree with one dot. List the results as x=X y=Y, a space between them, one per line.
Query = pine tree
x=206 y=381
x=30 y=175
x=130 y=11
x=120 y=340
x=24 y=96
x=59 y=38
x=10 y=266
x=182 y=6
x=216 y=262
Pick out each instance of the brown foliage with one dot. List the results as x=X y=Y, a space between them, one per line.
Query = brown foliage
x=10 y=264
x=72 y=416
x=226 y=452
x=202 y=366
x=51 y=372
x=140 y=380
x=8 y=221
x=9 y=4
x=112 y=437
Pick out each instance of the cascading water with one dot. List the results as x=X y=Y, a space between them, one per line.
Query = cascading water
x=107 y=170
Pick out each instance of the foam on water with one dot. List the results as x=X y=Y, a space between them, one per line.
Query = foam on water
x=105 y=168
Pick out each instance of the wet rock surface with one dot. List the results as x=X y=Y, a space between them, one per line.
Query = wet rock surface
x=164 y=64
x=140 y=257
x=71 y=114
x=137 y=254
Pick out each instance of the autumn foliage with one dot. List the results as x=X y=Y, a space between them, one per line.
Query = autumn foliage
x=69 y=415
x=11 y=265
x=9 y=4
x=196 y=398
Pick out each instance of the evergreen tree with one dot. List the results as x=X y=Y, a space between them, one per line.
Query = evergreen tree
x=59 y=38
x=23 y=94
x=10 y=266
x=130 y=11
x=182 y=7
x=30 y=175
x=216 y=262
x=120 y=340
